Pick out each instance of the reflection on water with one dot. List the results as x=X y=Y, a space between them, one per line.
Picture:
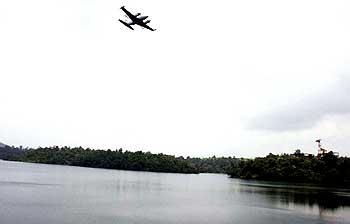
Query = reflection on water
x=326 y=199
x=42 y=194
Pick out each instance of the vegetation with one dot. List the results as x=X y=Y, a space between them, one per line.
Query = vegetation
x=213 y=164
x=10 y=153
x=108 y=159
x=327 y=169
x=118 y=159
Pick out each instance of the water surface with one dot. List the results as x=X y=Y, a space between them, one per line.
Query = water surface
x=53 y=194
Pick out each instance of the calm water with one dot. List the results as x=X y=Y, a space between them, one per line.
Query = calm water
x=50 y=194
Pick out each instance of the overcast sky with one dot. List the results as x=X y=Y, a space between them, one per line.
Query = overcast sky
x=225 y=78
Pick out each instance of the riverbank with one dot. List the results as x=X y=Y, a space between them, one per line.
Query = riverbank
x=119 y=159
x=328 y=170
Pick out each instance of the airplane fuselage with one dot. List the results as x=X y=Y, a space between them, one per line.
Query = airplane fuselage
x=139 y=20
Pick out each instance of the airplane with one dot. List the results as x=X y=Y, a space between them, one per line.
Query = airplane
x=135 y=20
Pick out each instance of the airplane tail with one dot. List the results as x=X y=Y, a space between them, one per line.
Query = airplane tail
x=126 y=24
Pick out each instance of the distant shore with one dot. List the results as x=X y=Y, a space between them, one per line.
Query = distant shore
x=326 y=170
x=118 y=159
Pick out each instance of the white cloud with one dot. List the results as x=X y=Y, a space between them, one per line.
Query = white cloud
x=307 y=111
x=72 y=75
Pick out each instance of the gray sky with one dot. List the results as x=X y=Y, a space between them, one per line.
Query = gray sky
x=230 y=78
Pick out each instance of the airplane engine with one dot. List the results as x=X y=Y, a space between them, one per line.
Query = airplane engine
x=137 y=14
x=147 y=21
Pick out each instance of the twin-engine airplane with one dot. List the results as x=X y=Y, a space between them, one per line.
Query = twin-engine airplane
x=136 y=20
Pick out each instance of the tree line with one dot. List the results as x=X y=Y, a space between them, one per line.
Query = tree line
x=327 y=169
x=118 y=159
x=213 y=164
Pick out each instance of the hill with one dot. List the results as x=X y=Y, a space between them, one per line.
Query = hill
x=10 y=153
x=2 y=145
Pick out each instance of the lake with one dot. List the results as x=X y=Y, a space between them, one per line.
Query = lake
x=54 y=194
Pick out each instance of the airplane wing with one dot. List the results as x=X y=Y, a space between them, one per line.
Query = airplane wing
x=145 y=26
x=126 y=24
x=129 y=14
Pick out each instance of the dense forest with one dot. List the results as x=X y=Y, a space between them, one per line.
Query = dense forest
x=10 y=153
x=118 y=159
x=213 y=164
x=327 y=169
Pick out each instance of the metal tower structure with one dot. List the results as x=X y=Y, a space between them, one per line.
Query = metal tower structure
x=321 y=151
